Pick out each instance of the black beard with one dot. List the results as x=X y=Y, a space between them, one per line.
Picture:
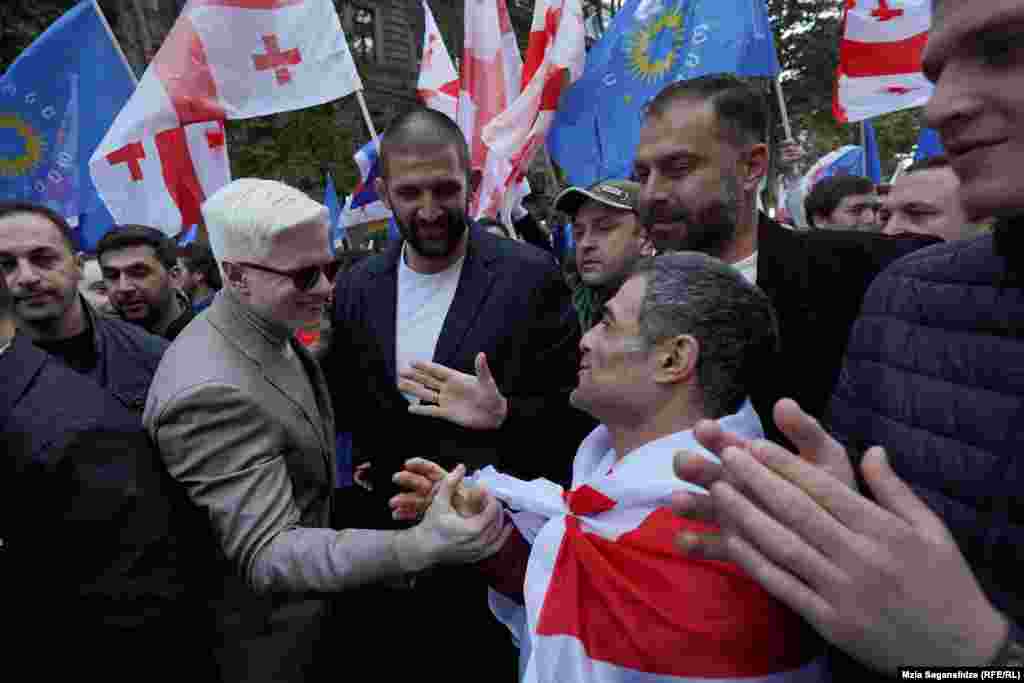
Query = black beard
x=709 y=233
x=456 y=223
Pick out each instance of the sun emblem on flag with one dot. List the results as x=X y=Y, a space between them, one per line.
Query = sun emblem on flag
x=29 y=151
x=654 y=48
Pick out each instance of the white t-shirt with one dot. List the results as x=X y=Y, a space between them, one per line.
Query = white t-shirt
x=423 y=303
x=748 y=268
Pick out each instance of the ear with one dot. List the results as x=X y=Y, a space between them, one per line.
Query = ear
x=754 y=166
x=475 y=178
x=382 y=191
x=235 y=277
x=80 y=261
x=677 y=360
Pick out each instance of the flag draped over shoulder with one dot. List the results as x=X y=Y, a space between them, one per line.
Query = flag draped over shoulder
x=650 y=44
x=57 y=100
x=608 y=598
x=223 y=59
x=438 y=85
x=554 y=59
x=880 y=58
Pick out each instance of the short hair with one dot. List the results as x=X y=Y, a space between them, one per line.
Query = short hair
x=198 y=258
x=928 y=164
x=740 y=107
x=733 y=321
x=245 y=217
x=423 y=126
x=826 y=194
x=125 y=236
x=9 y=208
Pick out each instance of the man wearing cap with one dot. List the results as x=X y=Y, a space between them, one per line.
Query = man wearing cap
x=609 y=239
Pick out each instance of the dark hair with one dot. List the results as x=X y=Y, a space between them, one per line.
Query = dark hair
x=927 y=164
x=826 y=194
x=422 y=126
x=66 y=233
x=198 y=258
x=124 y=236
x=733 y=321
x=487 y=223
x=740 y=107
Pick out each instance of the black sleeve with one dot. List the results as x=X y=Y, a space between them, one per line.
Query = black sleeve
x=531 y=232
x=336 y=361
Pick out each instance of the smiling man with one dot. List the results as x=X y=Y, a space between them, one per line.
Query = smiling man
x=42 y=271
x=926 y=200
x=138 y=264
x=609 y=240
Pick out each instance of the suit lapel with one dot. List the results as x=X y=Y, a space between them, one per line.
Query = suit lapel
x=475 y=284
x=383 y=306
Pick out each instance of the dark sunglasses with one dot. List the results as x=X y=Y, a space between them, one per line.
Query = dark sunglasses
x=304 y=279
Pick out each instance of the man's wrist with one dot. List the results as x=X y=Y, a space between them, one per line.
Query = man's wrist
x=409 y=551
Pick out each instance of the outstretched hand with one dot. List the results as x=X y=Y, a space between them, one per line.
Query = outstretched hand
x=470 y=401
x=419 y=482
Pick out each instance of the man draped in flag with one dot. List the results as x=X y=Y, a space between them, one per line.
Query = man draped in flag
x=590 y=582
x=166 y=151
x=880 y=58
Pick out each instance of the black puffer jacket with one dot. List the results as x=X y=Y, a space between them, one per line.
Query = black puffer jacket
x=935 y=372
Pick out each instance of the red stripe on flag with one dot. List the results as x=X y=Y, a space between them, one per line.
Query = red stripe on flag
x=669 y=615
x=246 y=4
x=540 y=40
x=553 y=89
x=882 y=59
x=182 y=67
x=504 y=20
x=451 y=88
x=180 y=175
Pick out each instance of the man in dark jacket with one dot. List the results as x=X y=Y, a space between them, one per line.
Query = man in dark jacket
x=701 y=159
x=928 y=572
x=138 y=264
x=92 y=530
x=38 y=262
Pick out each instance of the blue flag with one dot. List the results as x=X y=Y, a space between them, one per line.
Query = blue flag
x=928 y=145
x=872 y=163
x=338 y=231
x=394 y=234
x=650 y=44
x=57 y=101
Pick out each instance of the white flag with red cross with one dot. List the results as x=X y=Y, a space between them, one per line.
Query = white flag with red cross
x=555 y=58
x=492 y=69
x=880 y=58
x=223 y=59
x=438 y=85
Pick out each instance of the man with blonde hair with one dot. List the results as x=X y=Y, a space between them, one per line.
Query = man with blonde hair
x=242 y=417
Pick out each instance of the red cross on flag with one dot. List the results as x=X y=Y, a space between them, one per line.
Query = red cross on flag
x=438 y=86
x=554 y=59
x=609 y=599
x=223 y=59
x=880 y=58
x=492 y=69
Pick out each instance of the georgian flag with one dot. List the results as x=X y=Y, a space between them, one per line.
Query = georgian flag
x=880 y=58
x=438 y=85
x=610 y=599
x=223 y=59
x=554 y=60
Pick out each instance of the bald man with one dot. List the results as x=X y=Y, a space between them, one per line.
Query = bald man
x=241 y=415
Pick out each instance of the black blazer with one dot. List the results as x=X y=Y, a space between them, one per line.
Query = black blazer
x=511 y=303
x=816 y=281
x=97 y=547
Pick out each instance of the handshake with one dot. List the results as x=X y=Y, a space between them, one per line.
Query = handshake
x=459 y=523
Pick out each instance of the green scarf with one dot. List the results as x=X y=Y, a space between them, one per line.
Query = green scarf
x=588 y=302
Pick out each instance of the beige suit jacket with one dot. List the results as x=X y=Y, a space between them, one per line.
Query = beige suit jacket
x=233 y=422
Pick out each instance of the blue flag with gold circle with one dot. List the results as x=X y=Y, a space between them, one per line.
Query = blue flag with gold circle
x=57 y=101
x=650 y=44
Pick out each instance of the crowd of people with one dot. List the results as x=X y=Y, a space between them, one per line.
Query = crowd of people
x=712 y=446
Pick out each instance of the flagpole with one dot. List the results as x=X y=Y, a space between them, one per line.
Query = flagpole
x=777 y=82
x=117 y=44
x=369 y=121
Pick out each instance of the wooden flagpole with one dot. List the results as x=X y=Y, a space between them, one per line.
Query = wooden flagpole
x=366 y=117
x=777 y=82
